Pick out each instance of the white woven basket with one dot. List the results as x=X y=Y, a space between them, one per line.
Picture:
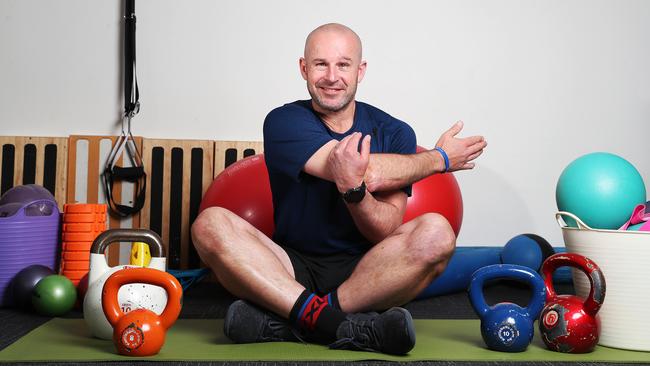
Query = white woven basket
x=624 y=258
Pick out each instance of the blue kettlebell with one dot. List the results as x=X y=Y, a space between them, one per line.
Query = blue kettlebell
x=505 y=326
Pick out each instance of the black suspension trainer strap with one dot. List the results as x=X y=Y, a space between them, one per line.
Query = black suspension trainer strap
x=125 y=143
x=131 y=92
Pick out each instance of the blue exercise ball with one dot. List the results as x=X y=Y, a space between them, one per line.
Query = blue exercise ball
x=527 y=250
x=601 y=189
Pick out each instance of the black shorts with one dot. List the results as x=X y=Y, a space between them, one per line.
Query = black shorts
x=320 y=273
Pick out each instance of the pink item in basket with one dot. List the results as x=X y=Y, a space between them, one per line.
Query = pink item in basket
x=640 y=219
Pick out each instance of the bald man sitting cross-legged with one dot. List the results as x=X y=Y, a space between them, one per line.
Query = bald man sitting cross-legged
x=340 y=173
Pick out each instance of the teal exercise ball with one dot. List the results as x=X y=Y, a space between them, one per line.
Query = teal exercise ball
x=601 y=189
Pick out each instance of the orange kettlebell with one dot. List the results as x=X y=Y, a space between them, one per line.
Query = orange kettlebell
x=140 y=332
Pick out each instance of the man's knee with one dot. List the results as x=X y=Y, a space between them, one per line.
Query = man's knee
x=433 y=238
x=210 y=225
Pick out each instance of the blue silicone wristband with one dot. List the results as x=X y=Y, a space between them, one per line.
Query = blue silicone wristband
x=444 y=156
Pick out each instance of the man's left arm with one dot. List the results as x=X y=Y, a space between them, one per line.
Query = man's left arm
x=378 y=215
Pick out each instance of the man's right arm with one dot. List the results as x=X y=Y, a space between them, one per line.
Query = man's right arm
x=393 y=171
x=385 y=171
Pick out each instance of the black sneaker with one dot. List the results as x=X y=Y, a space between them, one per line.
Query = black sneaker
x=391 y=332
x=246 y=323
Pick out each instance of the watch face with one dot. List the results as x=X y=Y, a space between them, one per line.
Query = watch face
x=355 y=195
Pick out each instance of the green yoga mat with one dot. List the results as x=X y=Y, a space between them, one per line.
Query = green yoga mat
x=203 y=340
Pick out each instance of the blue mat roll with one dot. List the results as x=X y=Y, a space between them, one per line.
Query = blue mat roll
x=460 y=268
x=466 y=260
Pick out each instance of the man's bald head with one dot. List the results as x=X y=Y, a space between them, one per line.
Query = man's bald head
x=333 y=28
x=332 y=67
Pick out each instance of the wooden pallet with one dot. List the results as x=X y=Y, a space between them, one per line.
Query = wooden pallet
x=227 y=152
x=178 y=174
x=87 y=157
x=34 y=160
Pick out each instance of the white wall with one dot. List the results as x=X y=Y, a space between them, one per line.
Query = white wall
x=544 y=81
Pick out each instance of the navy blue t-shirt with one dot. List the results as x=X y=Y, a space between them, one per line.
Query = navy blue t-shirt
x=309 y=212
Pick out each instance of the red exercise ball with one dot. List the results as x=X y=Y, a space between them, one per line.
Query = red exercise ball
x=244 y=189
x=438 y=193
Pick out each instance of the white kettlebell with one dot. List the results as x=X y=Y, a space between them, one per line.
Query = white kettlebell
x=130 y=297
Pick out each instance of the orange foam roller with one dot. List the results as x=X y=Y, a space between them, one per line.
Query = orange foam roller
x=77 y=246
x=75 y=265
x=84 y=227
x=86 y=237
x=74 y=275
x=82 y=217
x=76 y=256
x=84 y=208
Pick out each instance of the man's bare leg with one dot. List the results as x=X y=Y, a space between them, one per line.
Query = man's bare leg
x=246 y=262
x=398 y=268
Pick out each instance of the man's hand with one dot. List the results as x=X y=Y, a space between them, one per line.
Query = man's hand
x=461 y=151
x=346 y=164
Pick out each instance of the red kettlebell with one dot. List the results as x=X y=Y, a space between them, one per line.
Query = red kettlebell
x=140 y=332
x=569 y=323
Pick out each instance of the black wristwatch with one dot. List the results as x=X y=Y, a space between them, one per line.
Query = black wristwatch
x=355 y=195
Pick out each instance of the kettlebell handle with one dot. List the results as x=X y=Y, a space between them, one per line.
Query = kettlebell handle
x=116 y=235
x=150 y=276
x=596 y=278
x=507 y=271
